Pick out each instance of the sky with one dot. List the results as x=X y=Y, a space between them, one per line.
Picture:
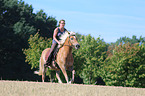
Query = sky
x=107 y=19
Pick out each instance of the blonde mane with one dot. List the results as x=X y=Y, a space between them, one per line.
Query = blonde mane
x=65 y=35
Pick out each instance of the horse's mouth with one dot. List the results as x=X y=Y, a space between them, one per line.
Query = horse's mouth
x=77 y=46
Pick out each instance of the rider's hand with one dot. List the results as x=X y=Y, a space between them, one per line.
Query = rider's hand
x=58 y=43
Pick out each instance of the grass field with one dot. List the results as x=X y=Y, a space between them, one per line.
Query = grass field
x=25 y=88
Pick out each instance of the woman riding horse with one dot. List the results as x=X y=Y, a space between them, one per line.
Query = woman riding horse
x=56 y=37
x=64 y=58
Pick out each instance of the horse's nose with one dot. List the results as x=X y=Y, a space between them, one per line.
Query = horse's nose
x=77 y=46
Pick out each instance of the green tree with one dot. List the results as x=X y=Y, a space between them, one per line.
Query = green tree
x=125 y=67
x=23 y=29
x=36 y=45
x=17 y=22
x=132 y=40
x=89 y=57
x=45 y=24
x=125 y=40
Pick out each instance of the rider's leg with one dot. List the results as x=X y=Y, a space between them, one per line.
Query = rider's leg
x=49 y=60
x=55 y=52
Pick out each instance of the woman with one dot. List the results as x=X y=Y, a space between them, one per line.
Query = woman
x=56 y=37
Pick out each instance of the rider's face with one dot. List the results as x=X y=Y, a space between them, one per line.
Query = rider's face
x=62 y=24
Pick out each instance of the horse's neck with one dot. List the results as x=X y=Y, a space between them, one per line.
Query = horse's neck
x=67 y=46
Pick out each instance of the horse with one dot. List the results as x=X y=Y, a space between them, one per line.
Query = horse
x=64 y=58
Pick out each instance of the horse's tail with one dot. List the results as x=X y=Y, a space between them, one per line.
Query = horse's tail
x=36 y=72
x=40 y=68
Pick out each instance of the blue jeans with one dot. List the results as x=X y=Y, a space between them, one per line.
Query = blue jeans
x=54 y=41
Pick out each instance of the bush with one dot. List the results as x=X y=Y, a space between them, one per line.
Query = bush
x=36 y=46
x=125 y=67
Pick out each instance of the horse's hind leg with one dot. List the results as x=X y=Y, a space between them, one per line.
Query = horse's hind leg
x=43 y=74
x=53 y=67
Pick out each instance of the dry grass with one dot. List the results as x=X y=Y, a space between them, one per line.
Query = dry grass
x=19 y=88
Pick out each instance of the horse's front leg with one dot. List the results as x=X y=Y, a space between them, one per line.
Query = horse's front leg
x=58 y=77
x=73 y=74
x=63 y=69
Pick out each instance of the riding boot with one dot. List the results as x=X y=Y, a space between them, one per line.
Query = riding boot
x=54 y=54
x=49 y=60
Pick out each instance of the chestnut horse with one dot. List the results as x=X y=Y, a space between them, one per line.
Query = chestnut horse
x=64 y=57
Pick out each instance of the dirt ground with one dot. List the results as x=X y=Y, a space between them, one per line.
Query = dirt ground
x=25 y=88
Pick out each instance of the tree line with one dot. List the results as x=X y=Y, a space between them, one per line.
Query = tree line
x=121 y=63
x=17 y=23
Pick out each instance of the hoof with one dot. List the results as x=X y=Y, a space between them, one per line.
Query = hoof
x=69 y=82
x=73 y=72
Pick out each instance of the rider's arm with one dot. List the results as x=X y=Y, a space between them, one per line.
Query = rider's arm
x=55 y=34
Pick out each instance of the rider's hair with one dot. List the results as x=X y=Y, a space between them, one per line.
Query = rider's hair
x=61 y=20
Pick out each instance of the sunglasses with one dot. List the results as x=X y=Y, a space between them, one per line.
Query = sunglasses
x=62 y=23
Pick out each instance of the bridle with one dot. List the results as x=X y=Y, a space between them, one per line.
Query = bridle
x=70 y=42
x=69 y=39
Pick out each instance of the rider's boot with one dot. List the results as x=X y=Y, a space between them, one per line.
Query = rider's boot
x=49 y=60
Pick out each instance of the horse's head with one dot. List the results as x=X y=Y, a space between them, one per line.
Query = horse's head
x=71 y=39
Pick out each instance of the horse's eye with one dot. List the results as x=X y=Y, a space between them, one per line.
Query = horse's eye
x=71 y=38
